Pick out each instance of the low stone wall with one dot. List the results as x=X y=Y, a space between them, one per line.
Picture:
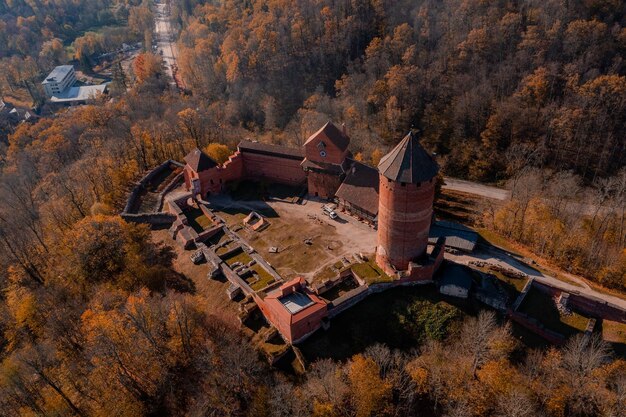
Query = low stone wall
x=208 y=233
x=132 y=197
x=176 y=181
x=536 y=327
x=590 y=306
x=155 y=219
x=520 y=298
x=342 y=276
x=360 y=293
x=489 y=300
x=230 y=252
x=235 y=279
x=347 y=300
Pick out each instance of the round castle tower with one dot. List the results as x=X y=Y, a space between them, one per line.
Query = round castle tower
x=405 y=206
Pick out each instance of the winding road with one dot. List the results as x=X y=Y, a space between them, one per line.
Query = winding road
x=475 y=188
x=502 y=258
x=497 y=257
x=165 y=43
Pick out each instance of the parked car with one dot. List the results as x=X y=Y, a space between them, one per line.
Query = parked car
x=329 y=210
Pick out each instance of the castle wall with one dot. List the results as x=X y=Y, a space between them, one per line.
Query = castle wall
x=322 y=185
x=273 y=168
x=233 y=169
x=249 y=165
x=212 y=180
x=404 y=217
x=588 y=305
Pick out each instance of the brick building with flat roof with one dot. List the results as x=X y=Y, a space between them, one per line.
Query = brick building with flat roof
x=293 y=309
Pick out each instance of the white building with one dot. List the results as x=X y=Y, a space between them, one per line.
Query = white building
x=79 y=95
x=59 y=80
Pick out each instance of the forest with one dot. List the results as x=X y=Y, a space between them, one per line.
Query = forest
x=477 y=77
x=36 y=36
x=95 y=321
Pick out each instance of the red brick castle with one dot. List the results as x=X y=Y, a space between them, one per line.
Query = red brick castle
x=398 y=197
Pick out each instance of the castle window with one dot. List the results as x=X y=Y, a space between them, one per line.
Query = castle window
x=211 y=182
x=403 y=184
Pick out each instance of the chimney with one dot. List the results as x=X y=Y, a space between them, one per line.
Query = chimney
x=343 y=129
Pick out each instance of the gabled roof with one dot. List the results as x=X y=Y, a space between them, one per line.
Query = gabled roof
x=333 y=134
x=360 y=187
x=326 y=167
x=408 y=162
x=199 y=161
x=270 y=149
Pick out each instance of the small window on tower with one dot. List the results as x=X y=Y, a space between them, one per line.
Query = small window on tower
x=403 y=184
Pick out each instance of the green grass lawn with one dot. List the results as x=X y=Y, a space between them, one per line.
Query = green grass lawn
x=338 y=265
x=240 y=256
x=513 y=286
x=542 y=307
x=197 y=220
x=265 y=278
x=614 y=332
x=325 y=273
x=495 y=239
x=371 y=272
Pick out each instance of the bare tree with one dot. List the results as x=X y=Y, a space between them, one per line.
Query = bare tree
x=479 y=337
x=515 y=404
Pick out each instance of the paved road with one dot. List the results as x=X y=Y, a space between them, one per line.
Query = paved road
x=500 y=258
x=165 y=38
x=476 y=189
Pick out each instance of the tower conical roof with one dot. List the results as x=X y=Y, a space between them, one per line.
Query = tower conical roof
x=408 y=162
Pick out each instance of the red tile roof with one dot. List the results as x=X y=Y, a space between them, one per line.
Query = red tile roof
x=333 y=134
x=199 y=161
x=360 y=187
x=270 y=149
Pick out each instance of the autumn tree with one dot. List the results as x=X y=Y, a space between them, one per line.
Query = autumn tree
x=371 y=393
x=218 y=152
